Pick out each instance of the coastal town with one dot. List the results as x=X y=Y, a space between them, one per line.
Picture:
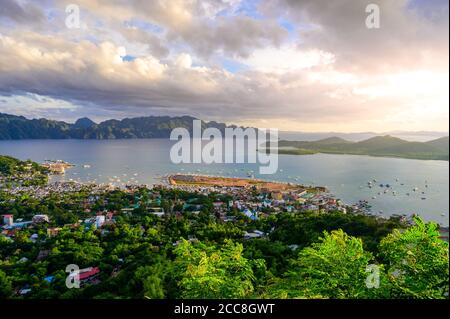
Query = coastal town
x=43 y=219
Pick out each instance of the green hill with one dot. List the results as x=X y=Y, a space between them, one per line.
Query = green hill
x=440 y=143
x=18 y=127
x=386 y=146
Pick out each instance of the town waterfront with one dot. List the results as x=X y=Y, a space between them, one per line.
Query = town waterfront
x=415 y=186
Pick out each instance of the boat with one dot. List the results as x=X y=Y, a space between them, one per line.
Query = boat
x=86 y=166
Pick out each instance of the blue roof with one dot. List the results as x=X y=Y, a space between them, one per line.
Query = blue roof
x=49 y=278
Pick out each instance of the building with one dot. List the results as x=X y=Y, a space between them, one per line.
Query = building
x=99 y=220
x=254 y=234
x=86 y=275
x=53 y=231
x=8 y=220
x=277 y=195
x=250 y=214
x=40 y=219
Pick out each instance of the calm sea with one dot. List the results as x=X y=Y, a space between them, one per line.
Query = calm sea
x=146 y=161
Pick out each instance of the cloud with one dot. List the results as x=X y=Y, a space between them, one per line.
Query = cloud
x=405 y=36
x=14 y=11
x=326 y=72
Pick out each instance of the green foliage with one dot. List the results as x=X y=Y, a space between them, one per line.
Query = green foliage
x=5 y=286
x=306 y=228
x=210 y=272
x=417 y=261
x=152 y=280
x=333 y=268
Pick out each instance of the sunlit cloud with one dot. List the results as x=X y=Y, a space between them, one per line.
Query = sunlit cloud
x=299 y=65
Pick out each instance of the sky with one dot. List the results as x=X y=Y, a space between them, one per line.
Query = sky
x=296 y=65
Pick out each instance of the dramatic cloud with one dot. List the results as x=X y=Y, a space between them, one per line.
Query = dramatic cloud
x=298 y=65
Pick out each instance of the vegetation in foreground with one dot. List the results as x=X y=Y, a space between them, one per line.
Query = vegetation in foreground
x=187 y=254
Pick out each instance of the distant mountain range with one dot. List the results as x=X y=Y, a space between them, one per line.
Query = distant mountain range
x=385 y=146
x=14 y=127
x=416 y=136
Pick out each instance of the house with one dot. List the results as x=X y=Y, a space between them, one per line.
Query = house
x=24 y=291
x=277 y=195
x=18 y=225
x=86 y=275
x=40 y=219
x=53 y=231
x=267 y=203
x=157 y=211
x=250 y=214
x=8 y=219
x=43 y=254
x=217 y=205
x=49 y=279
x=34 y=237
x=254 y=234
x=99 y=220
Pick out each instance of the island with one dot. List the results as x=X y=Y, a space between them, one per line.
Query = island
x=381 y=146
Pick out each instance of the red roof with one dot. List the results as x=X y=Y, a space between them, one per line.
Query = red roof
x=89 y=273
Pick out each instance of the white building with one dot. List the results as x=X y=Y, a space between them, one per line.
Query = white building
x=99 y=220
